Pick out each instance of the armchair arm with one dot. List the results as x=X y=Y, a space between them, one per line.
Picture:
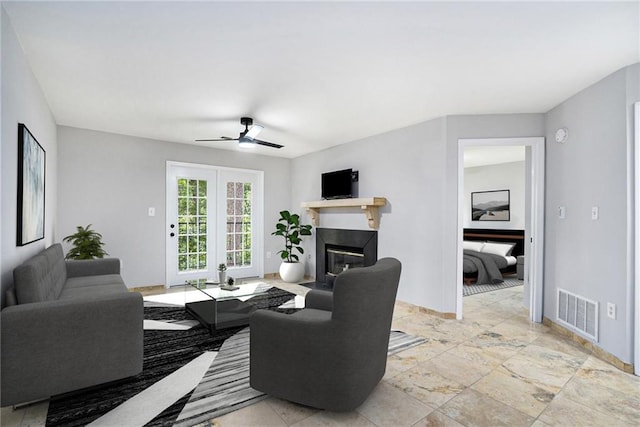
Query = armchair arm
x=57 y=346
x=93 y=267
x=322 y=300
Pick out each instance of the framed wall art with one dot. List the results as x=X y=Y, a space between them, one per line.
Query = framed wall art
x=31 y=182
x=490 y=205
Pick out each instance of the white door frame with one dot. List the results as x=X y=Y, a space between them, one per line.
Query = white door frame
x=633 y=193
x=257 y=214
x=535 y=248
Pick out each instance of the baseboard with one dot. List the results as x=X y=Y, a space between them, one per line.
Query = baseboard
x=437 y=313
x=150 y=288
x=588 y=345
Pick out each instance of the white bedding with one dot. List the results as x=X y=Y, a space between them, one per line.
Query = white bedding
x=495 y=248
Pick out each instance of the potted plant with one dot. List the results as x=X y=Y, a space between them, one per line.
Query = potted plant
x=230 y=285
x=222 y=272
x=289 y=227
x=87 y=244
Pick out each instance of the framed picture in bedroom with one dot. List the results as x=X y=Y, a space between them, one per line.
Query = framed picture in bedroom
x=31 y=181
x=490 y=205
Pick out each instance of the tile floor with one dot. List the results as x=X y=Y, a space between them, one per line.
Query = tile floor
x=492 y=368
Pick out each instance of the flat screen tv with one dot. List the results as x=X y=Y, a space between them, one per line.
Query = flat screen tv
x=337 y=184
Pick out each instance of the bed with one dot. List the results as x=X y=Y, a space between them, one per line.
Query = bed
x=488 y=254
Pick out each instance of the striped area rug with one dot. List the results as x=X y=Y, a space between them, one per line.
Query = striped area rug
x=399 y=341
x=224 y=387
x=478 y=289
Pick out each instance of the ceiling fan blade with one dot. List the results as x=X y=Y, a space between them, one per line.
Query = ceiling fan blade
x=222 y=138
x=267 y=143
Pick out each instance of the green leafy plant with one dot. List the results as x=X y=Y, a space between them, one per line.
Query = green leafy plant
x=222 y=267
x=289 y=227
x=87 y=244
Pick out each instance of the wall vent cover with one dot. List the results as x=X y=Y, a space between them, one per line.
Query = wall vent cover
x=578 y=313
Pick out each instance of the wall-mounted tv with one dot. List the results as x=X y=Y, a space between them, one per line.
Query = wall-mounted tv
x=337 y=184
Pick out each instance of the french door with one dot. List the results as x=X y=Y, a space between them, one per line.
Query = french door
x=240 y=222
x=214 y=216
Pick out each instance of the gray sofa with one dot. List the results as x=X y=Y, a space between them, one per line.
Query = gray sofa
x=75 y=325
x=332 y=354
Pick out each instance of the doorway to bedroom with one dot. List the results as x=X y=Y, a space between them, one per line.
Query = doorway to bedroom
x=500 y=211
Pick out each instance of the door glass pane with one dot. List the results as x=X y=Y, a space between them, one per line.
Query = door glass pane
x=239 y=200
x=192 y=229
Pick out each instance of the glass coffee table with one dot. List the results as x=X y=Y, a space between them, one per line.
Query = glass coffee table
x=216 y=308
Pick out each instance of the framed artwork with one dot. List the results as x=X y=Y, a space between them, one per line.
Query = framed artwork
x=31 y=181
x=490 y=205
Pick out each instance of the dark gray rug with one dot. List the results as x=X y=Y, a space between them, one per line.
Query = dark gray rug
x=164 y=353
x=225 y=387
x=478 y=289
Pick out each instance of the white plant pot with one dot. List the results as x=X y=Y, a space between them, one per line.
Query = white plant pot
x=292 y=272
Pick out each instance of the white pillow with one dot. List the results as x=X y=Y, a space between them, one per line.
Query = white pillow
x=472 y=245
x=502 y=249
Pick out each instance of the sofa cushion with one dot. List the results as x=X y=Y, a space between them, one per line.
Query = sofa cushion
x=42 y=277
x=94 y=281
x=93 y=292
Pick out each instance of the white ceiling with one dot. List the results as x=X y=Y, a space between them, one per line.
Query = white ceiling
x=315 y=74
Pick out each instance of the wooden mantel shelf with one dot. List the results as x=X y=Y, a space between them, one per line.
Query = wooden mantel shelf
x=369 y=205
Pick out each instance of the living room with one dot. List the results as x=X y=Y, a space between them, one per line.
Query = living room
x=110 y=179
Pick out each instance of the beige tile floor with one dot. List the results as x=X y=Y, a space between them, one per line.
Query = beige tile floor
x=492 y=368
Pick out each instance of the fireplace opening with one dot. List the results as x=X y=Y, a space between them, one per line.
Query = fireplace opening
x=340 y=249
x=340 y=259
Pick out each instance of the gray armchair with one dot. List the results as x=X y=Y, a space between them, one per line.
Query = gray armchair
x=333 y=353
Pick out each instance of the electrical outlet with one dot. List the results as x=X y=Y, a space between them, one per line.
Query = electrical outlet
x=309 y=257
x=611 y=310
x=268 y=255
x=595 y=212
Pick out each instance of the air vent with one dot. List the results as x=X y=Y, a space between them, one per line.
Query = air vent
x=578 y=313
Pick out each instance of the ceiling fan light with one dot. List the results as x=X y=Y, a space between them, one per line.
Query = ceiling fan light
x=254 y=131
x=245 y=142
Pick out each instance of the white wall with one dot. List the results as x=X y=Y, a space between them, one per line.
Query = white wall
x=111 y=180
x=503 y=176
x=591 y=258
x=415 y=168
x=22 y=102
x=406 y=166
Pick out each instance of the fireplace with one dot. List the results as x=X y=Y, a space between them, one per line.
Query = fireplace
x=340 y=259
x=339 y=249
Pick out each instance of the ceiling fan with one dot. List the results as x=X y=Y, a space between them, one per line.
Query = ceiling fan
x=248 y=137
